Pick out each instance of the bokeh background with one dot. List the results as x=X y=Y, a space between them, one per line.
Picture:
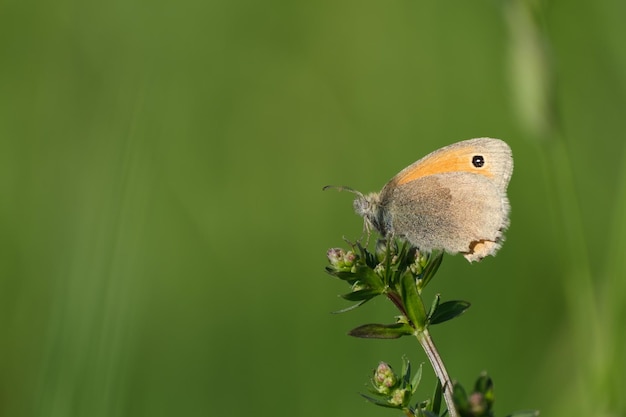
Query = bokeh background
x=163 y=229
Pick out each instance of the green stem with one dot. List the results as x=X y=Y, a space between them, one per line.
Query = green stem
x=440 y=370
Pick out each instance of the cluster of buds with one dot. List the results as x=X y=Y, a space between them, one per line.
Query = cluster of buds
x=479 y=402
x=342 y=261
x=394 y=391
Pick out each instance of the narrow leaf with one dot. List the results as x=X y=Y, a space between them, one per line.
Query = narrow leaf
x=434 y=306
x=416 y=379
x=350 y=308
x=459 y=398
x=437 y=397
x=342 y=275
x=368 y=277
x=484 y=385
x=431 y=268
x=379 y=402
x=362 y=273
x=413 y=304
x=382 y=331
x=369 y=257
x=449 y=310
x=406 y=372
x=365 y=294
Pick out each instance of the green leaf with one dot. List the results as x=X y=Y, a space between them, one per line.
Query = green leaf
x=435 y=406
x=382 y=403
x=406 y=372
x=416 y=379
x=394 y=263
x=362 y=274
x=369 y=257
x=364 y=294
x=484 y=385
x=382 y=331
x=342 y=275
x=459 y=398
x=434 y=306
x=449 y=310
x=413 y=304
x=350 y=308
x=434 y=262
x=368 y=277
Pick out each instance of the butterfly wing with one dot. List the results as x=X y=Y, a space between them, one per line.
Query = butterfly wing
x=453 y=199
x=464 y=156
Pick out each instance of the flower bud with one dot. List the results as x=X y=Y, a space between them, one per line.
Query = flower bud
x=341 y=260
x=477 y=404
x=399 y=397
x=384 y=378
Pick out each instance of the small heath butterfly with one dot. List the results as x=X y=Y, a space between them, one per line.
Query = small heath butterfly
x=453 y=199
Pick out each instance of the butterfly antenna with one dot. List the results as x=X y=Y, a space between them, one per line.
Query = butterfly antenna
x=342 y=188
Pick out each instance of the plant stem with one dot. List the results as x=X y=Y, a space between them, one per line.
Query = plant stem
x=440 y=370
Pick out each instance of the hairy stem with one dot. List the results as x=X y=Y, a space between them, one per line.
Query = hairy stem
x=440 y=370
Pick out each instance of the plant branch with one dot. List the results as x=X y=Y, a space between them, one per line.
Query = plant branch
x=440 y=370
x=397 y=301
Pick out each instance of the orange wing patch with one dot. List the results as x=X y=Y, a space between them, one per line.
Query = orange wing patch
x=448 y=160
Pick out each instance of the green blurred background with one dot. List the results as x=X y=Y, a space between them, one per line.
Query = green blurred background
x=163 y=229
